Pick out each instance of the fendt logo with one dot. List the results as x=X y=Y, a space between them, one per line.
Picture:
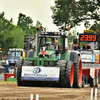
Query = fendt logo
x=36 y=70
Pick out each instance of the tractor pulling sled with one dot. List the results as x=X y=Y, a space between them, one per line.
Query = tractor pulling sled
x=90 y=59
x=46 y=65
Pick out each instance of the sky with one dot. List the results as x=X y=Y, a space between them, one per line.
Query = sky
x=36 y=9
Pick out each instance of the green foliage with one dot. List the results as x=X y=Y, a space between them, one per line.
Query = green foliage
x=95 y=27
x=18 y=36
x=5 y=27
x=12 y=36
x=71 y=13
x=26 y=24
x=73 y=35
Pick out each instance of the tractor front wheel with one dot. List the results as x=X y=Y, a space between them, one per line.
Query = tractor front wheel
x=19 y=69
x=19 y=82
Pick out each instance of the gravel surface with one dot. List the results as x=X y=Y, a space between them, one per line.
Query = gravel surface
x=10 y=91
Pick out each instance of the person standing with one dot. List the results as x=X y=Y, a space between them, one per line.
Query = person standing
x=76 y=47
x=86 y=47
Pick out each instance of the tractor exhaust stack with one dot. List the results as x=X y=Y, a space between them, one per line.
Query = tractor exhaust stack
x=36 y=44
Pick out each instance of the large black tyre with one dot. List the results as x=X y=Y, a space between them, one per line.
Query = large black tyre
x=69 y=74
x=78 y=73
x=19 y=69
x=66 y=76
x=19 y=82
x=19 y=63
x=62 y=64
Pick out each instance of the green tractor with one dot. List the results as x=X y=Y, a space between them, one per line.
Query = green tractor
x=48 y=61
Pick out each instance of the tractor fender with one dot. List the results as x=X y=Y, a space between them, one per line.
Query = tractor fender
x=74 y=55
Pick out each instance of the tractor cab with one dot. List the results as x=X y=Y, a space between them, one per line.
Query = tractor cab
x=51 y=43
x=48 y=44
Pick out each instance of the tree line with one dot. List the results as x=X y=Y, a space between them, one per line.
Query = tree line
x=66 y=13
x=70 y=13
x=12 y=36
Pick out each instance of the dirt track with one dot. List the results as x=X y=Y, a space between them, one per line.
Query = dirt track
x=10 y=91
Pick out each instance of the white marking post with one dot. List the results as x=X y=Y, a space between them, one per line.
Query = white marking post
x=95 y=94
x=37 y=96
x=92 y=94
x=32 y=97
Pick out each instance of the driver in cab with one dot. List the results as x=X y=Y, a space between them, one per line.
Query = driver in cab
x=54 y=45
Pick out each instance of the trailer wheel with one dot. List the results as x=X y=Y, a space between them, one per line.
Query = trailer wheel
x=78 y=73
x=66 y=73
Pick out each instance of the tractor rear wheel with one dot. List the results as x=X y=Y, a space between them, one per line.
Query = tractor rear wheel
x=66 y=73
x=69 y=74
x=78 y=73
x=19 y=82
